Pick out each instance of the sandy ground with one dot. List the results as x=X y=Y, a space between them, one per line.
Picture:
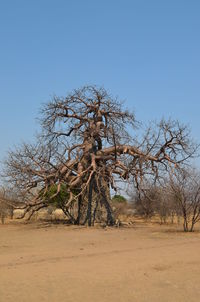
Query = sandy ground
x=60 y=263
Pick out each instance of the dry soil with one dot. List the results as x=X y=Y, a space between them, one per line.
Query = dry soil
x=70 y=264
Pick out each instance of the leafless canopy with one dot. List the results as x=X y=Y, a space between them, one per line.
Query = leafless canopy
x=84 y=145
x=185 y=190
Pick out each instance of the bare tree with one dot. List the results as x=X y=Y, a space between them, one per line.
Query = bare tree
x=6 y=205
x=185 y=190
x=85 y=144
x=145 y=201
x=151 y=200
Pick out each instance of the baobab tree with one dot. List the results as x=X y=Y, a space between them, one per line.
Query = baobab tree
x=87 y=140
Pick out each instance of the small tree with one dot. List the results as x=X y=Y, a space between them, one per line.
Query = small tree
x=6 y=205
x=145 y=201
x=185 y=190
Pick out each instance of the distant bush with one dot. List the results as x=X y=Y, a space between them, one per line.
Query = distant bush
x=119 y=198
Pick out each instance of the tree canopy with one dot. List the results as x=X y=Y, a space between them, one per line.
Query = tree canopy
x=87 y=141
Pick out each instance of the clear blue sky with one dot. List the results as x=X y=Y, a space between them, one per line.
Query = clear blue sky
x=145 y=51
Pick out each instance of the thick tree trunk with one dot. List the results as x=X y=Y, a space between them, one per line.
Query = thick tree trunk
x=105 y=200
x=91 y=203
x=98 y=203
x=79 y=212
x=185 y=225
x=89 y=210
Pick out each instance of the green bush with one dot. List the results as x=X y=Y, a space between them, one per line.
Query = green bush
x=60 y=199
x=119 y=198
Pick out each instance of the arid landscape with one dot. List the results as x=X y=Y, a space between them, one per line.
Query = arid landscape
x=144 y=262
x=100 y=151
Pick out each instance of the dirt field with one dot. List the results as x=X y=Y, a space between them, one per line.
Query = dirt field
x=60 y=263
